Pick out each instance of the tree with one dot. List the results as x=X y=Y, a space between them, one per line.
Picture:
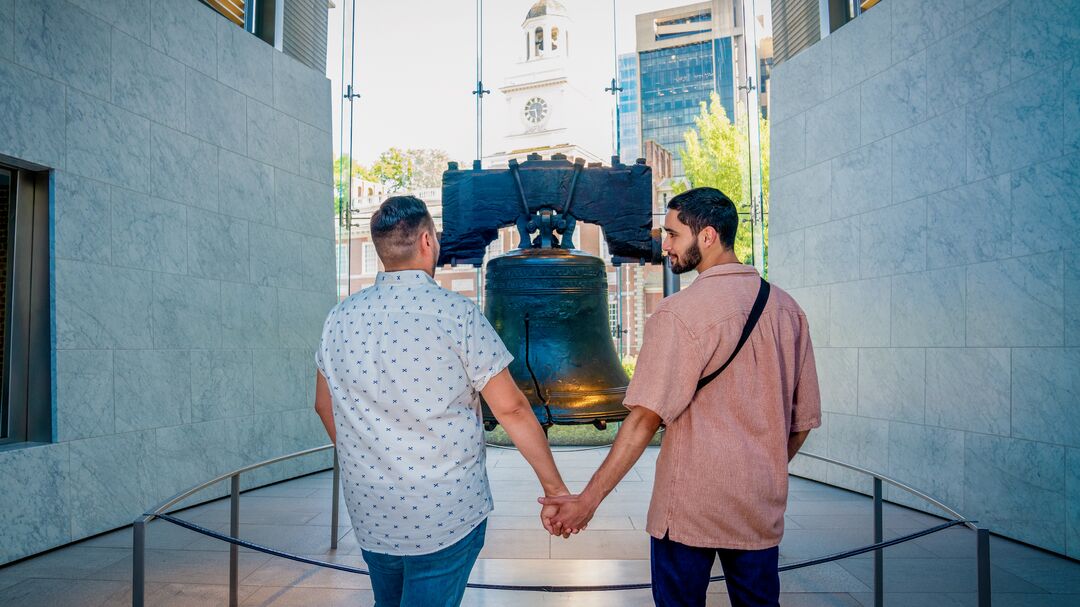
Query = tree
x=716 y=155
x=409 y=169
x=427 y=167
x=393 y=169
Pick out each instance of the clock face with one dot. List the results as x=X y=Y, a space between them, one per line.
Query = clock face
x=536 y=110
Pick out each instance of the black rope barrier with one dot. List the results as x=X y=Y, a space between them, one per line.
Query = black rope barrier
x=549 y=588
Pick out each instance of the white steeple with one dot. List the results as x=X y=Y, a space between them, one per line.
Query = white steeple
x=546 y=28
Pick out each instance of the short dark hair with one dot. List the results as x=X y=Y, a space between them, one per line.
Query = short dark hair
x=396 y=225
x=703 y=207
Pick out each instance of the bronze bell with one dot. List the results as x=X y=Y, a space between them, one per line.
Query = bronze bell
x=547 y=301
x=550 y=307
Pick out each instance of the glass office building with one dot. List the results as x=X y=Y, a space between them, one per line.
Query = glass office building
x=675 y=81
x=629 y=108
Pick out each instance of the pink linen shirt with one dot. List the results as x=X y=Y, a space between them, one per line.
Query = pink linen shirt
x=721 y=478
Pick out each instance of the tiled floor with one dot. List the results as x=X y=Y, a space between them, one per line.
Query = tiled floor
x=188 y=569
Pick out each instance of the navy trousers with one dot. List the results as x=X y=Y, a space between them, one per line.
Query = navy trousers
x=680 y=575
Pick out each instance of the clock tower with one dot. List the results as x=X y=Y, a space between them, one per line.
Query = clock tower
x=540 y=96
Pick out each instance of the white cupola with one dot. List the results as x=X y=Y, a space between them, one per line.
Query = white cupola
x=546 y=30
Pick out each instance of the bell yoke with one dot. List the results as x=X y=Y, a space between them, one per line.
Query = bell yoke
x=546 y=300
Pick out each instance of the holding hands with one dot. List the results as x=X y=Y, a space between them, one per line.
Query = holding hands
x=567 y=514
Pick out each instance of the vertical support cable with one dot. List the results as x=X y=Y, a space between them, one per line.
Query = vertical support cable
x=343 y=224
x=879 y=556
x=480 y=91
x=335 y=494
x=352 y=113
x=615 y=88
x=619 y=307
x=755 y=192
x=234 y=550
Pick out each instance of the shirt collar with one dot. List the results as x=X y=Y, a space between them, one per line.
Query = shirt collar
x=728 y=268
x=403 y=278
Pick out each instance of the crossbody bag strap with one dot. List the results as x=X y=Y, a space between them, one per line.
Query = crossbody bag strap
x=751 y=322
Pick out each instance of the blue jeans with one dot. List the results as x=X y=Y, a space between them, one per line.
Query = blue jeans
x=427 y=580
x=680 y=575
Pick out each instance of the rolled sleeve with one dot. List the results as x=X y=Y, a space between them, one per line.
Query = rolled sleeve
x=485 y=354
x=806 y=402
x=668 y=368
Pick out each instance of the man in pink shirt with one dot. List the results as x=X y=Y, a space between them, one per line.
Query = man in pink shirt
x=721 y=478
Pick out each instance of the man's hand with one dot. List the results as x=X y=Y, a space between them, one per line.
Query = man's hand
x=575 y=511
x=547 y=516
x=569 y=513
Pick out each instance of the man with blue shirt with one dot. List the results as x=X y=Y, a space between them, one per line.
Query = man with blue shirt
x=402 y=365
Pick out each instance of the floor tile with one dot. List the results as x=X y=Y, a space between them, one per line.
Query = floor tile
x=594 y=544
x=73 y=562
x=516 y=544
x=936 y=575
x=185 y=567
x=269 y=596
x=1058 y=576
x=283 y=572
x=184 y=595
x=63 y=593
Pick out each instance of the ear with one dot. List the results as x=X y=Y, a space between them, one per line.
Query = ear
x=709 y=236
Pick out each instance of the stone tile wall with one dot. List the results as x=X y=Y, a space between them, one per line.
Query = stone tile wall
x=926 y=214
x=193 y=254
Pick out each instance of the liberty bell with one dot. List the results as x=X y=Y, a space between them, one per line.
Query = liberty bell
x=546 y=300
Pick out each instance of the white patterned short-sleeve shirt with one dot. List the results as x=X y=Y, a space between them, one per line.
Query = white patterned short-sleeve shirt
x=405 y=360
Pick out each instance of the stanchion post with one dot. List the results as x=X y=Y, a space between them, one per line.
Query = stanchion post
x=879 y=556
x=335 y=494
x=983 y=558
x=138 y=565
x=672 y=283
x=234 y=550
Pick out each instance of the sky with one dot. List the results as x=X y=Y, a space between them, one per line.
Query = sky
x=415 y=68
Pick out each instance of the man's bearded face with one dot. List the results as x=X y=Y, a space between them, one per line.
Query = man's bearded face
x=686 y=260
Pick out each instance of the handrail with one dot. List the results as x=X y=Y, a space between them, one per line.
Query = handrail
x=139 y=534
x=895 y=483
x=183 y=495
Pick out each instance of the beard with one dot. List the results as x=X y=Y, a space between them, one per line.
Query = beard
x=690 y=259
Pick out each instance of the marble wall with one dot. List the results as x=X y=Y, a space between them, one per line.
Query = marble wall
x=192 y=255
x=926 y=214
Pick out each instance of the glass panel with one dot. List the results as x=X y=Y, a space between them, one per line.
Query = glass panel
x=349 y=189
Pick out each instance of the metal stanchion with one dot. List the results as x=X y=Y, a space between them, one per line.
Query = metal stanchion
x=234 y=550
x=336 y=496
x=983 y=558
x=671 y=279
x=138 y=565
x=879 y=555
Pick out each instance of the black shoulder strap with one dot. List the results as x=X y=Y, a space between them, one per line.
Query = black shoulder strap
x=751 y=322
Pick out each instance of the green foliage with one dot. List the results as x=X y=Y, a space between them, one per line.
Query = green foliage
x=427 y=167
x=716 y=155
x=410 y=169
x=393 y=169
